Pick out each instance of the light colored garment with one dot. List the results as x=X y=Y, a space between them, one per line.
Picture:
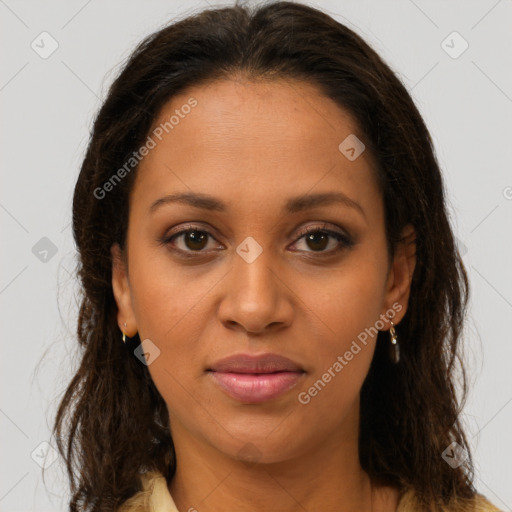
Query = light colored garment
x=155 y=497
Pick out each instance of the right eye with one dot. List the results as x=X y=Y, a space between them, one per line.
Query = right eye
x=193 y=239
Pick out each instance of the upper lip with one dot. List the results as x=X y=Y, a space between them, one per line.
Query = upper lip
x=264 y=363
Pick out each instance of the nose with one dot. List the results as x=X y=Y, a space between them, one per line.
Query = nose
x=255 y=296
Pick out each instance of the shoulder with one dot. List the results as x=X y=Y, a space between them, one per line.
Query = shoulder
x=479 y=503
x=153 y=497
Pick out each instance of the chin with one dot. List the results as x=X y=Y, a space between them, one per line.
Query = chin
x=258 y=447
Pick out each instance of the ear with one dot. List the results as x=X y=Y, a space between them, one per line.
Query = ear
x=398 y=287
x=122 y=295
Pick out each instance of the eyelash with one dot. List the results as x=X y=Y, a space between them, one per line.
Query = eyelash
x=346 y=241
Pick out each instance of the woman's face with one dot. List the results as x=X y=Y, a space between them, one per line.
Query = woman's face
x=246 y=279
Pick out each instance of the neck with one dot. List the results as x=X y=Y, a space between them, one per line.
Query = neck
x=326 y=477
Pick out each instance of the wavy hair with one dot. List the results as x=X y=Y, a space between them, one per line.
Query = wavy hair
x=112 y=423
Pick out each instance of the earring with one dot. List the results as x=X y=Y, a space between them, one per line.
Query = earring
x=394 y=349
x=124 y=335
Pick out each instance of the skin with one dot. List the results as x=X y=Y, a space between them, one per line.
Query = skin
x=253 y=145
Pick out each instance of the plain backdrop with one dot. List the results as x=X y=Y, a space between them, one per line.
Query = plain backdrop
x=462 y=84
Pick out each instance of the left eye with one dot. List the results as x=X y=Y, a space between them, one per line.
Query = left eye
x=318 y=239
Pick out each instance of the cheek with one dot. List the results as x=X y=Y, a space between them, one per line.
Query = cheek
x=342 y=352
x=347 y=302
x=166 y=298
x=345 y=311
x=170 y=306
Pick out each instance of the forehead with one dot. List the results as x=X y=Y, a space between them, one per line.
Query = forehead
x=258 y=113
x=260 y=138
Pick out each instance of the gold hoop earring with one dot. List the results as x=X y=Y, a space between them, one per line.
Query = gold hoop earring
x=394 y=349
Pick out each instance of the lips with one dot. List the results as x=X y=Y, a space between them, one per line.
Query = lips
x=265 y=363
x=256 y=379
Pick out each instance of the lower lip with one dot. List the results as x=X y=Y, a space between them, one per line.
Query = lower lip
x=256 y=388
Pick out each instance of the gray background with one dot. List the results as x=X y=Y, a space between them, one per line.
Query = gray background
x=47 y=110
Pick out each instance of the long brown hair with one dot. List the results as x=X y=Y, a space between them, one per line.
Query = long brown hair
x=112 y=422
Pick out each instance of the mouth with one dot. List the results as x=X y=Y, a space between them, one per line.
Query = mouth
x=256 y=379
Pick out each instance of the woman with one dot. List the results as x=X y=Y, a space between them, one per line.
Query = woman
x=261 y=219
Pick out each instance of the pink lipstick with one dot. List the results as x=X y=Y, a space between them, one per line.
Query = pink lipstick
x=256 y=379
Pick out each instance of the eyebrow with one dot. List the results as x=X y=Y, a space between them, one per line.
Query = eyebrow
x=292 y=205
